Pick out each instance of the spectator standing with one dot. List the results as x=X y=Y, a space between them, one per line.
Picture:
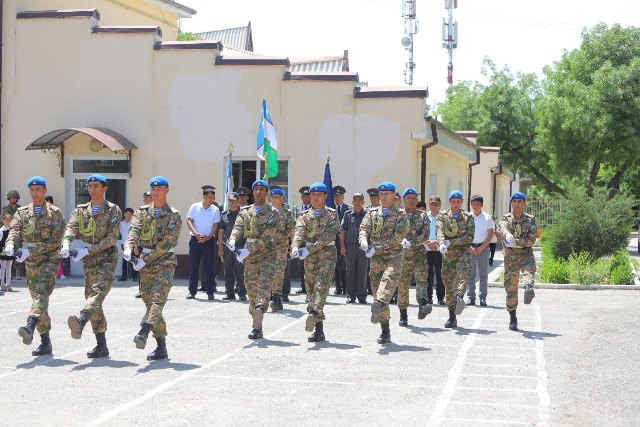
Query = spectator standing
x=5 y=261
x=434 y=257
x=233 y=269
x=480 y=252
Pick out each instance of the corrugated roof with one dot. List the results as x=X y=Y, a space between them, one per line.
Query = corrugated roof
x=324 y=64
x=239 y=37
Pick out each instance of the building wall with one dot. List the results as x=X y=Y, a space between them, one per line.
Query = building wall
x=446 y=171
x=482 y=178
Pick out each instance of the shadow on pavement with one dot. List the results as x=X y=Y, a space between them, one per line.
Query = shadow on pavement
x=167 y=364
x=328 y=344
x=104 y=362
x=47 y=360
x=537 y=335
x=464 y=331
x=265 y=343
x=395 y=348
x=421 y=330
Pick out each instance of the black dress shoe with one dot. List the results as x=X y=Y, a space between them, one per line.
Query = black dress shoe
x=211 y=297
x=351 y=300
x=191 y=296
x=362 y=301
x=229 y=297
x=285 y=298
x=202 y=289
x=483 y=302
x=441 y=301
x=301 y=291
x=243 y=297
x=337 y=291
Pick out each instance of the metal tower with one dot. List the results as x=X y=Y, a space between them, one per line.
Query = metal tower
x=450 y=36
x=410 y=29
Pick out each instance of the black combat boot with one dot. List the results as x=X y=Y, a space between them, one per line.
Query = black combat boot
x=318 y=333
x=44 y=347
x=258 y=315
x=255 y=334
x=376 y=311
x=460 y=304
x=276 y=302
x=385 y=336
x=101 y=349
x=160 y=352
x=529 y=294
x=311 y=321
x=76 y=324
x=404 y=317
x=452 y=322
x=141 y=338
x=26 y=331
x=424 y=308
x=302 y=290
x=513 y=323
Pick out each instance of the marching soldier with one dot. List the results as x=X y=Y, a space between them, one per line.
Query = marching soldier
x=341 y=264
x=381 y=232
x=374 y=200
x=12 y=196
x=287 y=226
x=259 y=224
x=98 y=224
x=315 y=240
x=297 y=211
x=414 y=258
x=519 y=231
x=37 y=228
x=156 y=228
x=454 y=232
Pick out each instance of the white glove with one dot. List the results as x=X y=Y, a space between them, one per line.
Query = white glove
x=426 y=247
x=364 y=246
x=303 y=253
x=139 y=265
x=405 y=244
x=447 y=243
x=231 y=245
x=25 y=254
x=64 y=252
x=8 y=250
x=443 y=249
x=126 y=254
x=510 y=239
x=295 y=253
x=243 y=254
x=369 y=252
x=82 y=252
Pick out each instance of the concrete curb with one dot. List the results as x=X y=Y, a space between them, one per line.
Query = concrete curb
x=635 y=287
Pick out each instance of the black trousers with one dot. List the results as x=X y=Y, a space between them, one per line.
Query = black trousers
x=492 y=248
x=434 y=268
x=357 y=265
x=340 y=274
x=286 y=281
x=233 y=274
x=197 y=251
x=301 y=271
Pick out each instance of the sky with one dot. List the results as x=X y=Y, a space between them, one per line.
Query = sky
x=526 y=35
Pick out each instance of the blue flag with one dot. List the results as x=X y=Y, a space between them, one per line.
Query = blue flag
x=327 y=181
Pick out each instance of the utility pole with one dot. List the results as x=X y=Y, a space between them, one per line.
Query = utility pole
x=450 y=36
x=410 y=29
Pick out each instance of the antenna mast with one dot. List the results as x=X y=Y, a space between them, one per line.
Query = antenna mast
x=450 y=36
x=410 y=29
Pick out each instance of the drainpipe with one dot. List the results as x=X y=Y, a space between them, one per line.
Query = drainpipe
x=471 y=165
x=423 y=160
x=494 y=174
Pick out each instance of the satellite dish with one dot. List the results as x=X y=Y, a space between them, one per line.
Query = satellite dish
x=406 y=41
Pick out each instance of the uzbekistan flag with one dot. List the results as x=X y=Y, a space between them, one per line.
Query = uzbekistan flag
x=267 y=143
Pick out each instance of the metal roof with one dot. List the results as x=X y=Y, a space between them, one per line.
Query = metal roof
x=239 y=37
x=325 y=64
x=113 y=140
x=187 y=12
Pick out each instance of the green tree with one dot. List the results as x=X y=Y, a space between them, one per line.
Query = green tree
x=187 y=36
x=462 y=109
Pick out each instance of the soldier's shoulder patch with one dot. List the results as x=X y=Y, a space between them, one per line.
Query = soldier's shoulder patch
x=143 y=207
x=174 y=210
x=54 y=208
x=83 y=205
x=171 y=225
x=331 y=209
x=23 y=208
x=244 y=208
x=529 y=216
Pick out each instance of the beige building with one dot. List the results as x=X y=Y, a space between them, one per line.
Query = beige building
x=99 y=92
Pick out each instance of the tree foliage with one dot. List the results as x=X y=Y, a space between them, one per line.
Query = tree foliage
x=182 y=37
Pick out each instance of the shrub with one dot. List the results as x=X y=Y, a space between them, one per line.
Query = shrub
x=620 y=271
x=554 y=271
x=583 y=270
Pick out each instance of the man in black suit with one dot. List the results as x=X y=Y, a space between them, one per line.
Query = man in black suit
x=340 y=276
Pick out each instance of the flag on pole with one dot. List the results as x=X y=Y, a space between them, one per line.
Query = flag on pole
x=267 y=143
x=228 y=182
x=327 y=181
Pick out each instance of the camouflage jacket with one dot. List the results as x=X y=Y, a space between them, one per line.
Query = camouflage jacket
x=100 y=230
x=523 y=229
x=458 y=231
x=384 y=232
x=158 y=234
x=261 y=229
x=418 y=232
x=287 y=224
x=319 y=230
x=9 y=210
x=44 y=231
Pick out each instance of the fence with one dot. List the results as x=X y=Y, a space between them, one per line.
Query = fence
x=545 y=210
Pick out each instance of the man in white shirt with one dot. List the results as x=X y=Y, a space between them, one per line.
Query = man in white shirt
x=480 y=252
x=202 y=220
x=434 y=257
x=125 y=225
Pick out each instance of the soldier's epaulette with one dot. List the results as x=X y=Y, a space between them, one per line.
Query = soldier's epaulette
x=529 y=215
x=305 y=211
x=174 y=210
x=377 y=208
x=54 y=208
x=331 y=209
x=143 y=207
x=244 y=208
x=83 y=205
x=23 y=208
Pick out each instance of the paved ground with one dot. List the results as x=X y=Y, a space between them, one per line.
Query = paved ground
x=573 y=363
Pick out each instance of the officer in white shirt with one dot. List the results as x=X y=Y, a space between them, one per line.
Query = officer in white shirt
x=480 y=252
x=202 y=220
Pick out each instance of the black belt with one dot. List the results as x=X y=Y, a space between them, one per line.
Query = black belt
x=476 y=245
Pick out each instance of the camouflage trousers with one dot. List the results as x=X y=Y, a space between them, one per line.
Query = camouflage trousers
x=414 y=262
x=456 y=268
x=41 y=279
x=318 y=270
x=385 y=277
x=99 y=272
x=515 y=261
x=258 y=275
x=155 y=283
x=282 y=256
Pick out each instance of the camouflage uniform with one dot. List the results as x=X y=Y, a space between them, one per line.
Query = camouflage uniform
x=100 y=234
x=9 y=210
x=261 y=229
x=384 y=233
x=41 y=235
x=156 y=236
x=414 y=259
x=320 y=264
x=456 y=265
x=519 y=258
x=287 y=225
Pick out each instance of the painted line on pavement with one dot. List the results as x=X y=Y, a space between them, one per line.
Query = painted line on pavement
x=508 y=356
x=499 y=376
x=437 y=414
x=498 y=365
x=543 y=390
x=11 y=313
x=497 y=405
x=487 y=421
x=517 y=390
x=307 y=381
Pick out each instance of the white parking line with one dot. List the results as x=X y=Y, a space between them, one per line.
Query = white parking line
x=508 y=356
x=25 y=312
x=497 y=405
x=543 y=391
x=308 y=381
x=442 y=403
x=498 y=376
x=498 y=365
x=517 y=390
x=486 y=421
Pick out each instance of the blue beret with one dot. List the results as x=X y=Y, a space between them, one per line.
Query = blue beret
x=387 y=186
x=260 y=183
x=97 y=177
x=318 y=187
x=158 y=181
x=409 y=191
x=37 y=180
x=518 y=196
x=456 y=194
x=277 y=191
